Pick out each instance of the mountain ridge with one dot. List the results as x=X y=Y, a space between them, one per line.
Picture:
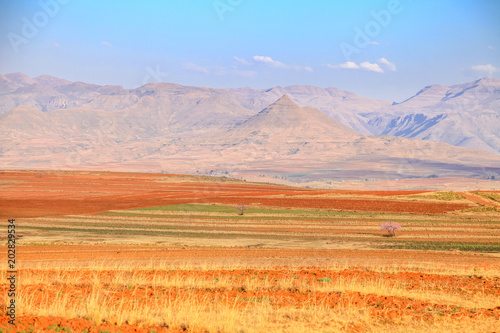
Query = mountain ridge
x=206 y=130
x=466 y=115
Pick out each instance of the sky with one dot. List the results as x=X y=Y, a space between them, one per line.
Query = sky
x=380 y=49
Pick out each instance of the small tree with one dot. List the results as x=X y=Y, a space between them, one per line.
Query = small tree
x=391 y=228
x=241 y=208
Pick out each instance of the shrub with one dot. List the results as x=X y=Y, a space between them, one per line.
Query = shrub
x=391 y=228
x=241 y=208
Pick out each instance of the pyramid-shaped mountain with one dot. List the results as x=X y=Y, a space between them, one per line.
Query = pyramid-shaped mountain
x=285 y=120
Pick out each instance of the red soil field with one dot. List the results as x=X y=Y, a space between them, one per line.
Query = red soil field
x=363 y=205
x=56 y=324
x=32 y=194
x=295 y=296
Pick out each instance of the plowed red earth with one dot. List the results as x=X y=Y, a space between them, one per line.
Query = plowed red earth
x=31 y=194
x=479 y=200
x=57 y=324
x=299 y=291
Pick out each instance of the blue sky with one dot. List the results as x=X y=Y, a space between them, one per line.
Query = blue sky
x=380 y=49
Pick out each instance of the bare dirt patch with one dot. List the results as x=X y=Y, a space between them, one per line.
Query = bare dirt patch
x=348 y=204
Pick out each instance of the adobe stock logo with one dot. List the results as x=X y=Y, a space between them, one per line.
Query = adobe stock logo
x=221 y=7
x=154 y=75
x=364 y=37
x=30 y=28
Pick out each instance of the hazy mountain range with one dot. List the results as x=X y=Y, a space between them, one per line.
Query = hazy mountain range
x=298 y=133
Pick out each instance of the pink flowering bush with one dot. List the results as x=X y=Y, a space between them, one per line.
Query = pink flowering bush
x=241 y=208
x=391 y=228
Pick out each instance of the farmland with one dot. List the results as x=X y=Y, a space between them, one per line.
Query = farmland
x=165 y=253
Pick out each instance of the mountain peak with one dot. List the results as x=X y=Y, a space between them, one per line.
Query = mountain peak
x=285 y=100
x=488 y=79
x=284 y=107
x=286 y=121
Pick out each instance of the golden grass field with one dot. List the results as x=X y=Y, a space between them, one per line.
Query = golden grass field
x=207 y=298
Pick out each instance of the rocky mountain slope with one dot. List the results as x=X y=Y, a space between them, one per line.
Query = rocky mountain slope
x=466 y=115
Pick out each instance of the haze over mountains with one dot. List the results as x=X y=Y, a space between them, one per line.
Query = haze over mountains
x=299 y=133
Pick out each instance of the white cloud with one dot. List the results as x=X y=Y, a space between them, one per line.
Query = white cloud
x=278 y=64
x=106 y=44
x=368 y=66
x=345 y=65
x=194 y=67
x=269 y=61
x=485 y=69
x=55 y=44
x=242 y=61
x=389 y=65
x=374 y=43
x=491 y=47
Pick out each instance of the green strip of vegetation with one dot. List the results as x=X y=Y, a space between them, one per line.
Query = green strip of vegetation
x=447 y=196
x=129 y=226
x=251 y=210
x=482 y=209
x=141 y=232
x=212 y=217
x=442 y=246
x=238 y=217
x=325 y=218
